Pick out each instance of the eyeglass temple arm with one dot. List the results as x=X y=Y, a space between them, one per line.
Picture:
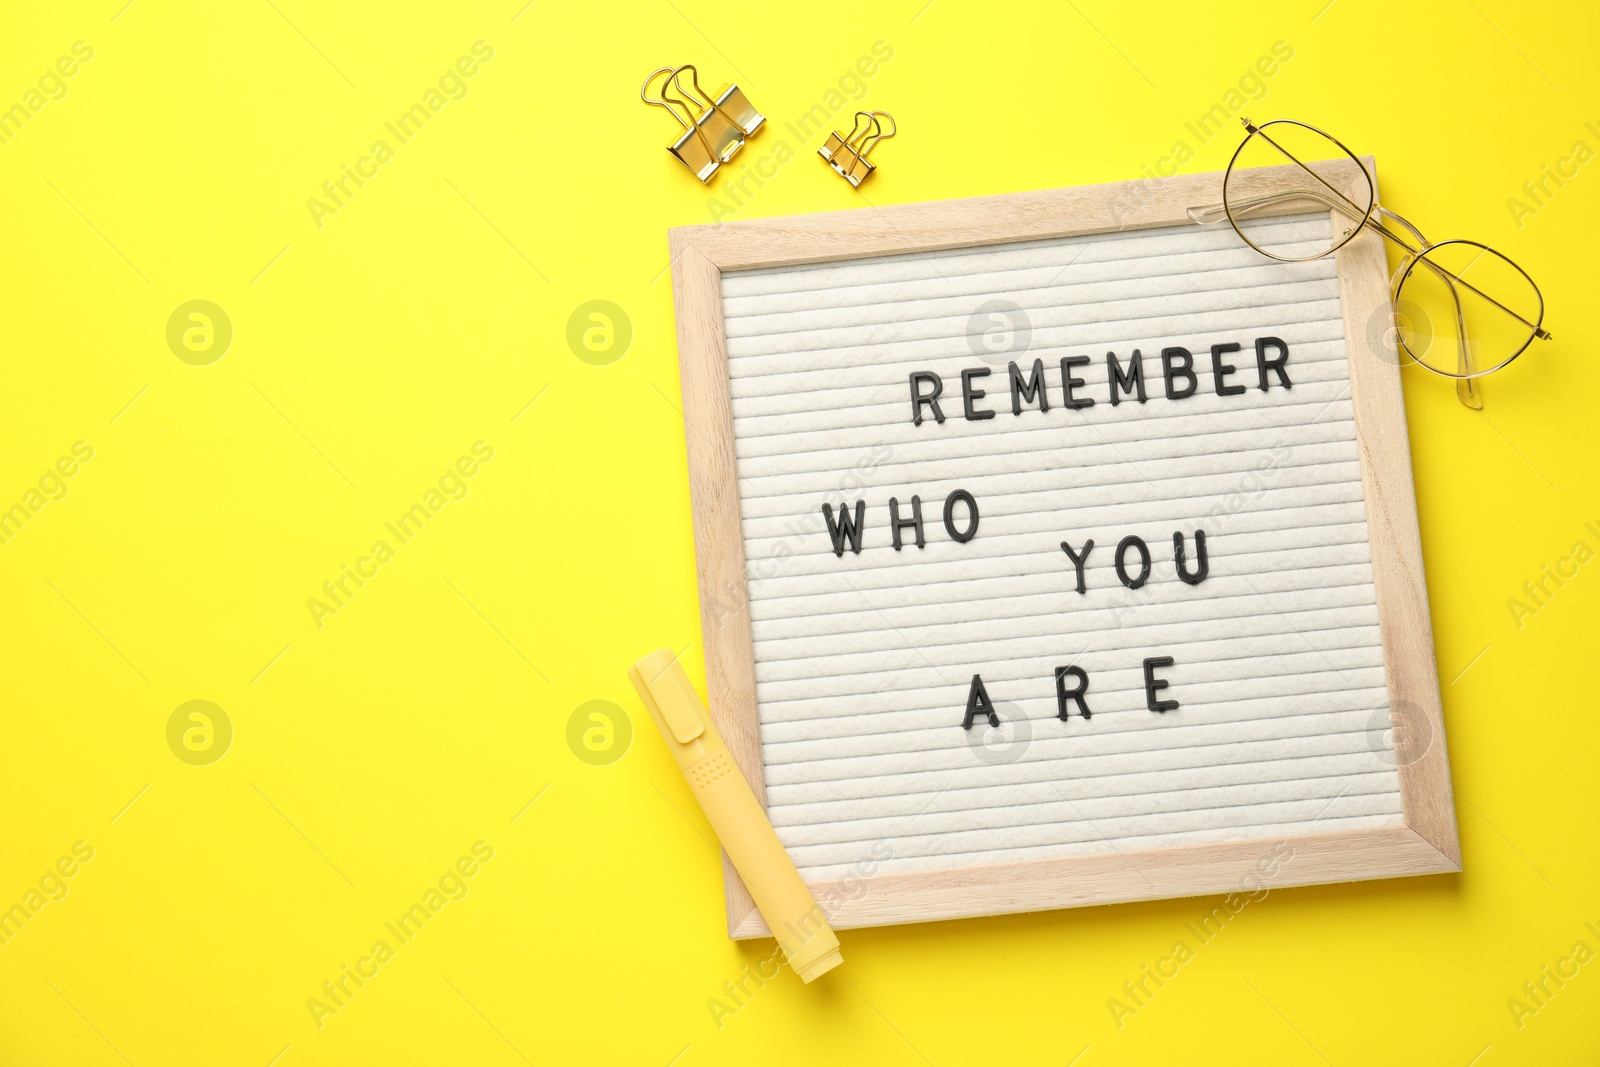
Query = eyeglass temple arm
x=1217 y=213
x=1467 y=389
x=1211 y=215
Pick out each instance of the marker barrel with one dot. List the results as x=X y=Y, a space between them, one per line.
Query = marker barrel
x=808 y=942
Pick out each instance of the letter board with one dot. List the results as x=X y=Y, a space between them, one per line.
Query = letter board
x=904 y=427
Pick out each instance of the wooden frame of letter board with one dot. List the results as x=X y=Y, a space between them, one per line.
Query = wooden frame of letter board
x=1427 y=842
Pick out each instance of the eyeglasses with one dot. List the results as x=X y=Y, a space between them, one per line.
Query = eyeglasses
x=1461 y=309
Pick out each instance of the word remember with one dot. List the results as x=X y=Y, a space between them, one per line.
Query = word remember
x=1124 y=380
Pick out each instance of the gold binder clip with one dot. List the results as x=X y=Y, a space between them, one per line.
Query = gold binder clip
x=732 y=105
x=848 y=155
x=713 y=128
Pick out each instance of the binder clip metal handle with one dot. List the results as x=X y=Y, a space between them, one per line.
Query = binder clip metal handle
x=848 y=155
x=693 y=149
x=733 y=105
x=714 y=128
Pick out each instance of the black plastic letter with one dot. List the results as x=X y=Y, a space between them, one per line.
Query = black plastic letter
x=1221 y=370
x=896 y=523
x=1202 y=566
x=969 y=394
x=1178 y=363
x=950 y=516
x=1032 y=389
x=1133 y=541
x=1069 y=383
x=1078 y=560
x=1263 y=364
x=918 y=398
x=1075 y=694
x=1129 y=382
x=978 y=703
x=846 y=527
x=1153 y=685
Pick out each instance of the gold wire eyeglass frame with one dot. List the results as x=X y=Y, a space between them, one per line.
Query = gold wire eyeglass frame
x=1385 y=222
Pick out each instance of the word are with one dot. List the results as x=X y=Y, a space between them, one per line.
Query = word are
x=51 y=886
x=1135 y=544
x=1178 y=375
x=980 y=706
x=849 y=528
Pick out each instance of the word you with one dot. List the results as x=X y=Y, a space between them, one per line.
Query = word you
x=1124 y=380
x=52 y=86
x=452 y=885
x=1551 y=180
x=52 y=485
x=452 y=484
x=1564 y=570
x=52 y=885
x=452 y=85
x=1252 y=889
x=1539 y=992
x=736 y=192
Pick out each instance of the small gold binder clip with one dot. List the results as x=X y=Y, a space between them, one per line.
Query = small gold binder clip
x=713 y=128
x=848 y=155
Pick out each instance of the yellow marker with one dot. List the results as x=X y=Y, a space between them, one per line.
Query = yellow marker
x=788 y=906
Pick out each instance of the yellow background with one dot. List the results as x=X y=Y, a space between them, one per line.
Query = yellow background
x=370 y=353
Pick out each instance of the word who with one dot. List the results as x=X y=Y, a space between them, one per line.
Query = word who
x=847 y=527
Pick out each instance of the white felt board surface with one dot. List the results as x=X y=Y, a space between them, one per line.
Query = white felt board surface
x=863 y=662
